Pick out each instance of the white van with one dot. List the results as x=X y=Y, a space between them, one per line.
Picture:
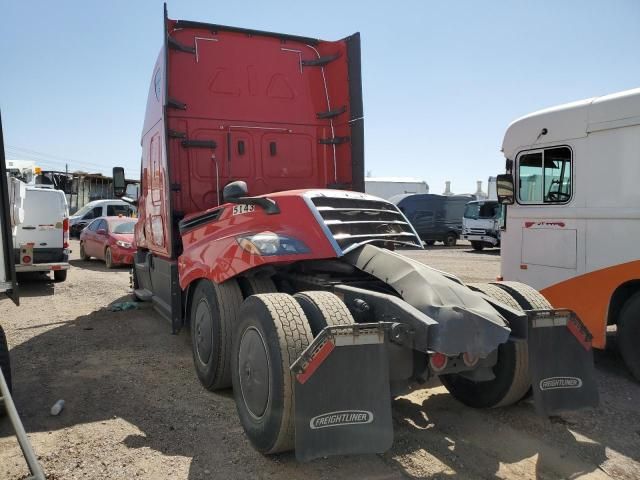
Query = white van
x=41 y=240
x=95 y=209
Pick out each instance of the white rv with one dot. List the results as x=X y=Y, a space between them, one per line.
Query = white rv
x=573 y=231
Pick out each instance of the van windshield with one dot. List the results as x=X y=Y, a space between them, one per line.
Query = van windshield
x=83 y=210
x=477 y=211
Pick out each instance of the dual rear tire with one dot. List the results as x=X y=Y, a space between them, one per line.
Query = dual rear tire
x=512 y=379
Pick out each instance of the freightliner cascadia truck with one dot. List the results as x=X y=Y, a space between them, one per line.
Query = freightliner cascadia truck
x=254 y=233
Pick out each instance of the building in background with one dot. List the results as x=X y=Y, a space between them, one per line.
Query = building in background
x=387 y=187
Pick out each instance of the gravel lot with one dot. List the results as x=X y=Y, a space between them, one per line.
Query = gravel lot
x=134 y=408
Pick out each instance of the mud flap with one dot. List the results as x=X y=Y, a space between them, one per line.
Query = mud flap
x=342 y=396
x=561 y=362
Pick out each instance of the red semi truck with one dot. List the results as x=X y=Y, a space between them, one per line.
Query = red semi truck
x=253 y=232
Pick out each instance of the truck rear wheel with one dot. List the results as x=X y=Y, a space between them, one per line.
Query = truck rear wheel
x=477 y=246
x=5 y=365
x=212 y=315
x=323 y=309
x=629 y=334
x=450 y=240
x=512 y=379
x=272 y=334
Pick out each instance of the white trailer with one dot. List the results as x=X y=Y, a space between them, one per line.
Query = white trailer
x=573 y=229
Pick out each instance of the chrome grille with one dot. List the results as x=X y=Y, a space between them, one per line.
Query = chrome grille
x=354 y=219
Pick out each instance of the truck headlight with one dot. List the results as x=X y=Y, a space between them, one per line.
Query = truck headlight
x=270 y=243
x=122 y=244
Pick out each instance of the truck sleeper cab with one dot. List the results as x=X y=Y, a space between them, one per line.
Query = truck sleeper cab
x=254 y=233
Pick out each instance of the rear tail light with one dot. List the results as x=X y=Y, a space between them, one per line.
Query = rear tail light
x=26 y=259
x=65 y=233
x=438 y=361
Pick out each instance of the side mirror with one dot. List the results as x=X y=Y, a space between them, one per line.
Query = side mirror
x=119 y=183
x=234 y=190
x=504 y=189
x=102 y=231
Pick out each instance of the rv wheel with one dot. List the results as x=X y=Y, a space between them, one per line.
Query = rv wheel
x=212 y=314
x=272 y=334
x=629 y=333
x=5 y=366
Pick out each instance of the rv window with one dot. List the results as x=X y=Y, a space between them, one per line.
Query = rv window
x=545 y=176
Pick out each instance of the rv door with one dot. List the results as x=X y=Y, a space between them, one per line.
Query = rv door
x=8 y=283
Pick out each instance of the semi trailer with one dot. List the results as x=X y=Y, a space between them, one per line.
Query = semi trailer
x=254 y=233
x=573 y=219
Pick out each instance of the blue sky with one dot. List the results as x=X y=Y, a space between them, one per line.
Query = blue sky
x=442 y=80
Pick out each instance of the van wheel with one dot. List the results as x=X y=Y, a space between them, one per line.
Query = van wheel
x=5 y=366
x=212 y=315
x=323 y=309
x=59 y=276
x=83 y=255
x=477 y=246
x=450 y=240
x=430 y=243
x=272 y=334
x=629 y=334
x=512 y=379
x=108 y=259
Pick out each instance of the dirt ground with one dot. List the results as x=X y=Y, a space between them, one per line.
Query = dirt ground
x=134 y=407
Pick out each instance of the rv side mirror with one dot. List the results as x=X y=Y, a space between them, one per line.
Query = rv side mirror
x=234 y=190
x=504 y=189
x=119 y=184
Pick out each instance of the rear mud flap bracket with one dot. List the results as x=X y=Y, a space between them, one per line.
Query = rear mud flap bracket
x=342 y=395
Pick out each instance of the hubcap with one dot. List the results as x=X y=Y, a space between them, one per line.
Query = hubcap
x=253 y=370
x=204 y=332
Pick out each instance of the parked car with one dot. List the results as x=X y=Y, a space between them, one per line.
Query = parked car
x=95 y=209
x=109 y=239
x=436 y=218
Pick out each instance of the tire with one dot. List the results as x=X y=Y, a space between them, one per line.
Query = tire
x=213 y=313
x=450 y=240
x=257 y=284
x=527 y=297
x=323 y=309
x=83 y=255
x=272 y=334
x=512 y=378
x=430 y=243
x=629 y=334
x=477 y=246
x=5 y=366
x=108 y=259
x=59 y=276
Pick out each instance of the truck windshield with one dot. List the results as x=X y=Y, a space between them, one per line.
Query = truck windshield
x=477 y=211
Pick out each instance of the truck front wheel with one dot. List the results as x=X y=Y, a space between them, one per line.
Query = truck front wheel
x=477 y=246
x=512 y=378
x=273 y=332
x=629 y=334
x=5 y=366
x=213 y=313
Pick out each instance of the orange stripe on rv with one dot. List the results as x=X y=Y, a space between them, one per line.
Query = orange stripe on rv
x=589 y=295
